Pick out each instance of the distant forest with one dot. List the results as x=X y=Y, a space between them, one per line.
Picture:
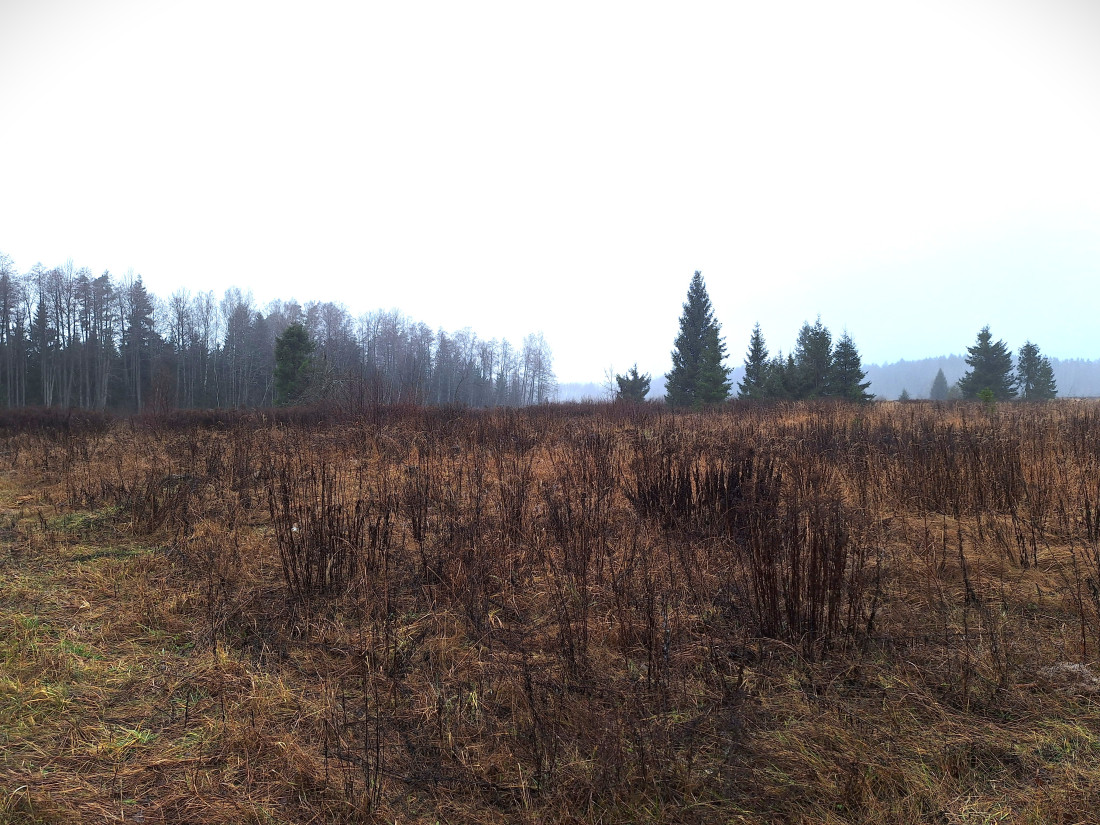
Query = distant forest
x=1076 y=377
x=69 y=338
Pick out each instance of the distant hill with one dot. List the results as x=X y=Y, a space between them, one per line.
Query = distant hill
x=580 y=391
x=888 y=380
x=591 y=391
x=1077 y=378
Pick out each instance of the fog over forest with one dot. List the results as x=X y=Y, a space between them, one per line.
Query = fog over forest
x=71 y=338
x=1076 y=377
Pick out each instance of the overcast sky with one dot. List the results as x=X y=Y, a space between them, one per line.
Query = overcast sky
x=910 y=171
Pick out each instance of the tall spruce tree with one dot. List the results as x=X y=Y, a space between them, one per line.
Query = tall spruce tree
x=1034 y=375
x=939 y=387
x=846 y=373
x=990 y=369
x=698 y=375
x=752 y=386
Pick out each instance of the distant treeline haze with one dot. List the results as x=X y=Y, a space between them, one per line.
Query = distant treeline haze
x=71 y=339
x=1077 y=378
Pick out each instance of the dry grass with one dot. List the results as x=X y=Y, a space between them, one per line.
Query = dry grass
x=584 y=614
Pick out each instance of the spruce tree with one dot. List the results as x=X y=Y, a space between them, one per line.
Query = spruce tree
x=632 y=386
x=939 y=387
x=698 y=375
x=1034 y=375
x=293 y=353
x=813 y=359
x=1046 y=388
x=778 y=378
x=990 y=369
x=788 y=378
x=845 y=378
x=752 y=386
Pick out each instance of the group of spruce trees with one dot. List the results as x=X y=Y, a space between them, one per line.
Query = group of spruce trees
x=991 y=376
x=818 y=368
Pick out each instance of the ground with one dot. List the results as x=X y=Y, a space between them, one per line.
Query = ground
x=495 y=617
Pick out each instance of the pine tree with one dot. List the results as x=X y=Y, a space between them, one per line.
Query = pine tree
x=632 y=386
x=698 y=375
x=752 y=386
x=939 y=387
x=1034 y=375
x=990 y=369
x=813 y=359
x=845 y=377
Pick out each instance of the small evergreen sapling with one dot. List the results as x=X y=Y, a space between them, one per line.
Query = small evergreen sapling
x=632 y=386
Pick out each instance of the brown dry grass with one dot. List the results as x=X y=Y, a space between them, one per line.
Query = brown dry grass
x=558 y=615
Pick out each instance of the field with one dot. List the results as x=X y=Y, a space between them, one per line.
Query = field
x=571 y=614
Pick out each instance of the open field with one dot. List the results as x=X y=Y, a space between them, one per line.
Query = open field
x=879 y=614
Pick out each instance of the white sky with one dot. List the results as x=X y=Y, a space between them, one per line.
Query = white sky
x=910 y=171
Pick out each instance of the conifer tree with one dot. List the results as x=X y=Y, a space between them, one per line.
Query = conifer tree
x=845 y=378
x=779 y=378
x=752 y=386
x=939 y=387
x=813 y=359
x=632 y=386
x=293 y=353
x=990 y=369
x=698 y=375
x=1034 y=375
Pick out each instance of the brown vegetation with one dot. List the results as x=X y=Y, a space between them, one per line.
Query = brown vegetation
x=796 y=613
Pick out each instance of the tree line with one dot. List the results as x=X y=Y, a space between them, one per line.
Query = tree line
x=69 y=338
x=819 y=368
x=993 y=376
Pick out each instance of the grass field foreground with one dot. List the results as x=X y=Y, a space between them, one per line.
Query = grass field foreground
x=575 y=614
